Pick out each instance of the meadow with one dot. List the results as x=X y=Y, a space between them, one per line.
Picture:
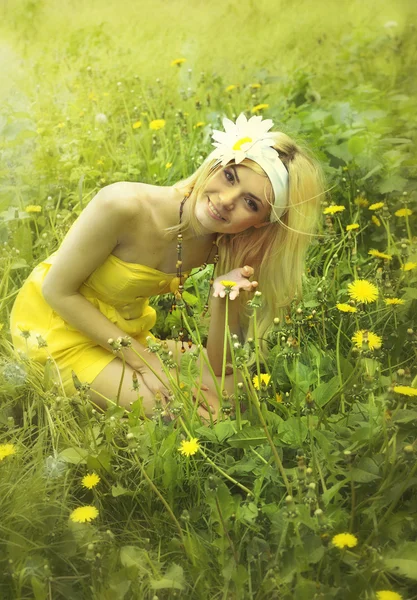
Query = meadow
x=306 y=486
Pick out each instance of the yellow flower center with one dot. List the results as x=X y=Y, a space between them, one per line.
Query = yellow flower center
x=240 y=143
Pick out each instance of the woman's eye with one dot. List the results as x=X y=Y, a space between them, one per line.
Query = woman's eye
x=228 y=174
x=252 y=204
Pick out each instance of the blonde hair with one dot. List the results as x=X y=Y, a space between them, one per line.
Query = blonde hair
x=277 y=252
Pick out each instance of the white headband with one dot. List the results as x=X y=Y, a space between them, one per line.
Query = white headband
x=249 y=139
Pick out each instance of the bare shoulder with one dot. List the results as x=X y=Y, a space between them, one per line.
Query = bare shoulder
x=124 y=196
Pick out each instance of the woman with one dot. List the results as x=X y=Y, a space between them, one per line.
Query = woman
x=256 y=198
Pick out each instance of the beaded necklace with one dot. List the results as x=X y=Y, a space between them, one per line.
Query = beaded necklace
x=182 y=334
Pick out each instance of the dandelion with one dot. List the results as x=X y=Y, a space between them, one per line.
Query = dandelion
x=263 y=379
x=83 y=514
x=259 y=107
x=91 y=480
x=101 y=118
x=403 y=212
x=190 y=447
x=405 y=390
x=177 y=62
x=33 y=208
x=387 y=595
x=362 y=290
x=374 y=340
x=168 y=165
x=361 y=201
x=345 y=540
x=408 y=266
x=376 y=206
x=228 y=284
x=352 y=226
x=278 y=398
x=376 y=221
x=7 y=450
x=61 y=125
x=394 y=301
x=199 y=124
x=379 y=254
x=255 y=86
x=331 y=210
x=157 y=124
x=230 y=88
x=137 y=124
x=346 y=308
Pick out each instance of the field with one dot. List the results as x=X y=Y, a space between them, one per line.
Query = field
x=306 y=487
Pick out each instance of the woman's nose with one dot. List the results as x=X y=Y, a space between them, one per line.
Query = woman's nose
x=228 y=198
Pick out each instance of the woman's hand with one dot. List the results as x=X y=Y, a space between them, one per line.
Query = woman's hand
x=240 y=277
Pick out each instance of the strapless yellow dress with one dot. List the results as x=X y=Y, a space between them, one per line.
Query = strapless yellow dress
x=118 y=289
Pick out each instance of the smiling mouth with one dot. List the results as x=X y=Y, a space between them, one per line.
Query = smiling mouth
x=215 y=212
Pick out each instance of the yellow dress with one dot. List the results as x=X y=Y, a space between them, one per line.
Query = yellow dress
x=118 y=289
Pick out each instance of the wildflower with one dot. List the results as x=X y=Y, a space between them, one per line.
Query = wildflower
x=83 y=514
x=387 y=595
x=101 y=118
x=90 y=481
x=61 y=125
x=33 y=208
x=199 y=124
x=374 y=340
x=408 y=266
x=190 y=447
x=362 y=290
x=259 y=107
x=177 y=62
x=137 y=124
x=7 y=450
x=255 y=86
x=343 y=540
x=230 y=88
x=352 y=226
x=376 y=206
x=403 y=212
x=228 y=284
x=393 y=301
x=378 y=254
x=331 y=210
x=100 y=162
x=157 y=124
x=278 y=398
x=168 y=165
x=263 y=378
x=346 y=308
x=405 y=390
x=361 y=201
x=376 y=221
x=92 y=97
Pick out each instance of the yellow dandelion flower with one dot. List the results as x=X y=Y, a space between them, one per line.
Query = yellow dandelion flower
x=408 y=266
x=7 y=450
x=255 y=86
x=346 y=308
x=157 y=124
x=33 y=208
x=177 y=62
x=61 y=125
x=100 y=162
x=345 y=540
x=168 y=165
x=374 y=340
x=405 y=390
x=376 y=206
x=362 y=290
x=83 y=514
x=352 y=226
x=228 y=284
x=137 y=124
x=199 y=124
x=331 y=210
x=259 y=107
x=263 y=378
x=361 y=201
x=376 y=221
x=278 y=398
x=387 y=595
x=393 y=301
x=189 y=447
x=379 y=254
x=92 y=97
x=403 y=212
x=230 y=88
x=91 y=480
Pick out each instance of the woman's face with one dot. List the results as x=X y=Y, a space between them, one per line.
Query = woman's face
x=234 y=200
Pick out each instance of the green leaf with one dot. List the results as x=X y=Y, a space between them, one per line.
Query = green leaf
x=391 y=184
x=329 y=494
x=357 y=144
x=247 y=437
x=131 y=556
x=118 y=490
x=293 y=431
x=38 y=588
x=224 y=430
x=189 y=298
x=367 y=470
x=75 y=456
x=404 y=561
x=172 y=580
x=326 y=391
